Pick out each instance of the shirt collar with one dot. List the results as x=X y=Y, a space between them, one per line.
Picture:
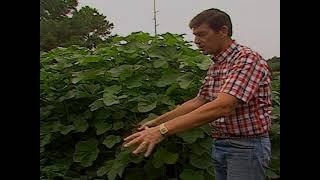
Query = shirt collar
x=225 y=52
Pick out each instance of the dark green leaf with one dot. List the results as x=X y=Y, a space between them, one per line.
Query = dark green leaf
x=206 y=143
x=197 y=149
x=111 y=140
x=66 y=129
x=185 y=80
x=86 y=152
x=118 y=125
x=102 y=126
x=105 y=168
x=271 y=174
x=204 y=65
x=137 y=159
x=58 y=167
x=69 y=95
x=162 y=156
x=115 y=89
x=90 y=59
x=160 y=63
x=167 y=100
x=146 y=107
x=96 y=105
x=189 y=174
x=192 y=135
x=122 y=96
x=119 y=114
x=117 y=168
x=80 y=124
x=133 y=83
x=201 y=161
x=167 y=79
x=45 y=139
x=110 y=99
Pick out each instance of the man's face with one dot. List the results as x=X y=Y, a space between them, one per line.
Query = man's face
x=207 y=40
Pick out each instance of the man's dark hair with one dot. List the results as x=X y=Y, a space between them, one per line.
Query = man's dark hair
x=215 y=18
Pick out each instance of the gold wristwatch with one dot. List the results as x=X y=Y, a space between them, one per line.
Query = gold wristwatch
x=163 y=129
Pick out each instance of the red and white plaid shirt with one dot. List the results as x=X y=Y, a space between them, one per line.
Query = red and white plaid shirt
x=243 y=73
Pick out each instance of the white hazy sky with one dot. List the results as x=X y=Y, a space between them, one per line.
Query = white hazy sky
x=256 y=23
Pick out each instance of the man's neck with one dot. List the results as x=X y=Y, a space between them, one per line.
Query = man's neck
x=226 y=44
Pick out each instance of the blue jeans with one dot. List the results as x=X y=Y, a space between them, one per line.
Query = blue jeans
x=241 y=159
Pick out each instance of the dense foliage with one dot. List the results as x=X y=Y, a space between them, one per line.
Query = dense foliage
x=91 y=99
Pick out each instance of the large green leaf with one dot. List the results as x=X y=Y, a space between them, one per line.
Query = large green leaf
x=66 y=129
x=133 y=83
x=69 y=95
x=201 y=161
x=102 y=126
x=167 y=100
x=86 y=152
x=170 y=39
x=185 y=80
x=87 y=75
x=96 y=105
x=121 y=161
x=111 y=140
x=206 y=143
x=167 y=78
x=124 y=71
x=105 y=168
x=190 y=174
x=162 y=156
x=109 y=95
x=197 y=149
x=110 y=99
x=116 y=169
x=166 y=53
x=192 y=135
x=121 y=70
x=146 y=106
x=90 y=59
x=115 y=89
x=119 y=114
x=160 y=63
x=45 y=139
x=118 y=125
x=205 y=62
x=80 y=124
x=57 y=167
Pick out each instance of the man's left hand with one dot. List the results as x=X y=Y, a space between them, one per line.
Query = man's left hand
x=146 y=140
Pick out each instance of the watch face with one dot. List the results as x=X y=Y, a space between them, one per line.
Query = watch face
x=163 y=131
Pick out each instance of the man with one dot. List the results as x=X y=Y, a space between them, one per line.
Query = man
x=235 y=99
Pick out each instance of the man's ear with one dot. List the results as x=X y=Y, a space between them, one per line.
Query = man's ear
x=224 y=31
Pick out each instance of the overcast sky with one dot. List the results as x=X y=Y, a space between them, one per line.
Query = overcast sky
x=256 y=23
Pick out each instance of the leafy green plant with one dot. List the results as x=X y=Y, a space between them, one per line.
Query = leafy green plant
x=92 y=99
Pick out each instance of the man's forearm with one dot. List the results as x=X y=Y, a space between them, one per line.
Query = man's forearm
x=202 y=115
x=181 y=110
